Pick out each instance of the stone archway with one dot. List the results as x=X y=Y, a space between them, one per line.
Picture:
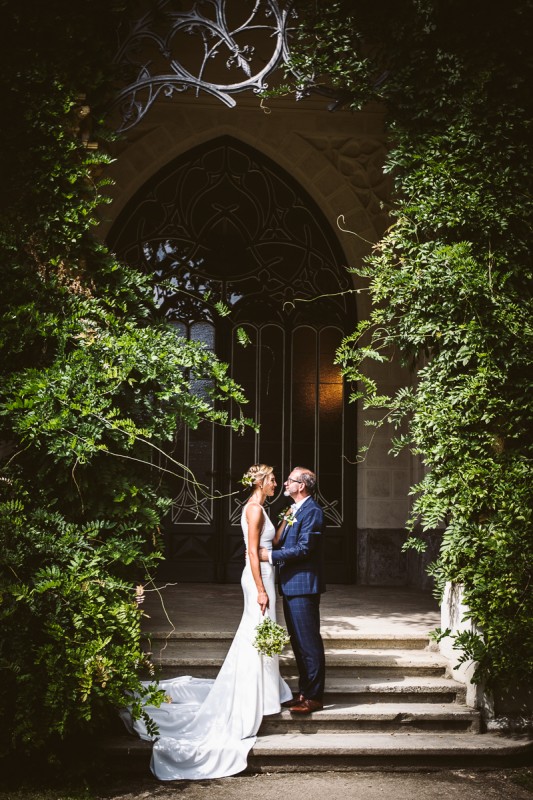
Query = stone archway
x=225 y=219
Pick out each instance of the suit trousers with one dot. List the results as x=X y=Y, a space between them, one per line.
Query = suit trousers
x=302 y=616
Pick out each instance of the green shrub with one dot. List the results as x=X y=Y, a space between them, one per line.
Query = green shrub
x=93 y=386
x=451 y=282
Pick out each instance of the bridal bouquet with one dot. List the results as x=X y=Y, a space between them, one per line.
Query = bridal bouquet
x=270 y=638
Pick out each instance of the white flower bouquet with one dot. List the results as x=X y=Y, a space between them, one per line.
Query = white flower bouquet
x=270 y=638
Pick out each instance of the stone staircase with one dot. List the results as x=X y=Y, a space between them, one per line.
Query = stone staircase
x=389 y=703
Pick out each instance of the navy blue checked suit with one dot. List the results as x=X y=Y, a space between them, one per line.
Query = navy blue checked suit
x=299 y=558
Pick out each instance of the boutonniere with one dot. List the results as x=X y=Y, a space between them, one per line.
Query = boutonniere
x=288 y=517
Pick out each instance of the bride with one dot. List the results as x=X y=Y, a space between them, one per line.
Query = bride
x=208 y=726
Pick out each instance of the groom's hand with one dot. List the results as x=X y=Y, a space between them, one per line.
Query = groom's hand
x=263 y=554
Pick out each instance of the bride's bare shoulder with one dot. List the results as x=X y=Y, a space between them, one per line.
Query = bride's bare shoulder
x=253 y=511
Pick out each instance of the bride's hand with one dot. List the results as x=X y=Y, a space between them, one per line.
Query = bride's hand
x=262 y=599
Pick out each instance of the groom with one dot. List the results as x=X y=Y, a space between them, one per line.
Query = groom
x=298 y=555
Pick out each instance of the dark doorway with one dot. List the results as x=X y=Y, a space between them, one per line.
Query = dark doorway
x=225 y=221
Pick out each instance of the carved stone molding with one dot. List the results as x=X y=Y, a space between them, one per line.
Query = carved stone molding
x=360 y=161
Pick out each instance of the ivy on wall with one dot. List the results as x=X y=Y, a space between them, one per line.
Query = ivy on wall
x=451 y=282
x=93 y=384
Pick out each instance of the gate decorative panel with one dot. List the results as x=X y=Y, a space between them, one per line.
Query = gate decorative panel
x=217 y=47
x=225 y=220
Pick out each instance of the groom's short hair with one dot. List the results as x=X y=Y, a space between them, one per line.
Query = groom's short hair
x=308 y=478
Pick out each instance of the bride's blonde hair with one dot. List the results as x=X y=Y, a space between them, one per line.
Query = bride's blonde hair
x=256 y=474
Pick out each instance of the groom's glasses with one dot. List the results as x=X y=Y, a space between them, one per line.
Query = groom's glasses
x=295 y=480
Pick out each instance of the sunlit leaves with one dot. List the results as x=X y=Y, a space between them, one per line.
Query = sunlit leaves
x=94 y=386
x=451 y=284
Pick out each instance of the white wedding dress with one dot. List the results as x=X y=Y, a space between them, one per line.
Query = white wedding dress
x=208 y=728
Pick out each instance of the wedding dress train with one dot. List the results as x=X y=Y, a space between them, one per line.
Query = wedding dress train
x=208 y=727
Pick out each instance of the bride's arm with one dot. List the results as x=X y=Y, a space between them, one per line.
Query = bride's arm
x=254 y=518
x=279 y=531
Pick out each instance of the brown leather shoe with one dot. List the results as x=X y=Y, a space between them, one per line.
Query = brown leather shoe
x=296 y=698
x=306 y=706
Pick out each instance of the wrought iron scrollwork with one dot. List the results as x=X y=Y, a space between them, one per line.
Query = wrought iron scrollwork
x=224 y=222
x=169 y=51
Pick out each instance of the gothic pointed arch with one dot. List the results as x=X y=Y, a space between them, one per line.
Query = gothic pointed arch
x=224 y=217
x=225 y=221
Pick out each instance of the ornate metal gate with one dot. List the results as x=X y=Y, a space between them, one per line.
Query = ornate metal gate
x=225 y=220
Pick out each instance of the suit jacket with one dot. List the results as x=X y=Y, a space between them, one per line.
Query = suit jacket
x=299 y=554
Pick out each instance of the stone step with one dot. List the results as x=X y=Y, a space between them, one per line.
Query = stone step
x=299 y=752
x=341 y=662
x=390 y=688
x=177 y=643
x=379 y=717
x=287 y=752
x=377 y=659
x=387 y=688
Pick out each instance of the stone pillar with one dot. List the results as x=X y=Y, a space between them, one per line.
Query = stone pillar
x=452 y=613
x=509 y=709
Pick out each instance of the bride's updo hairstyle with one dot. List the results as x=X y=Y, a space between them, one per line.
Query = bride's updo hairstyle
x=256 y=474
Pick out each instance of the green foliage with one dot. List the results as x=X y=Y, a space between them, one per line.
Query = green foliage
x=243 y=338
x=451 y=282
x=81 y=656
x=93 y=386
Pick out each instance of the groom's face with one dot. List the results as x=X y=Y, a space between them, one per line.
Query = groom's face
x=292 y=485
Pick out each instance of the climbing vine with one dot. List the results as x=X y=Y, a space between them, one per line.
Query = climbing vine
x=93 y=385
x=451 y=282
